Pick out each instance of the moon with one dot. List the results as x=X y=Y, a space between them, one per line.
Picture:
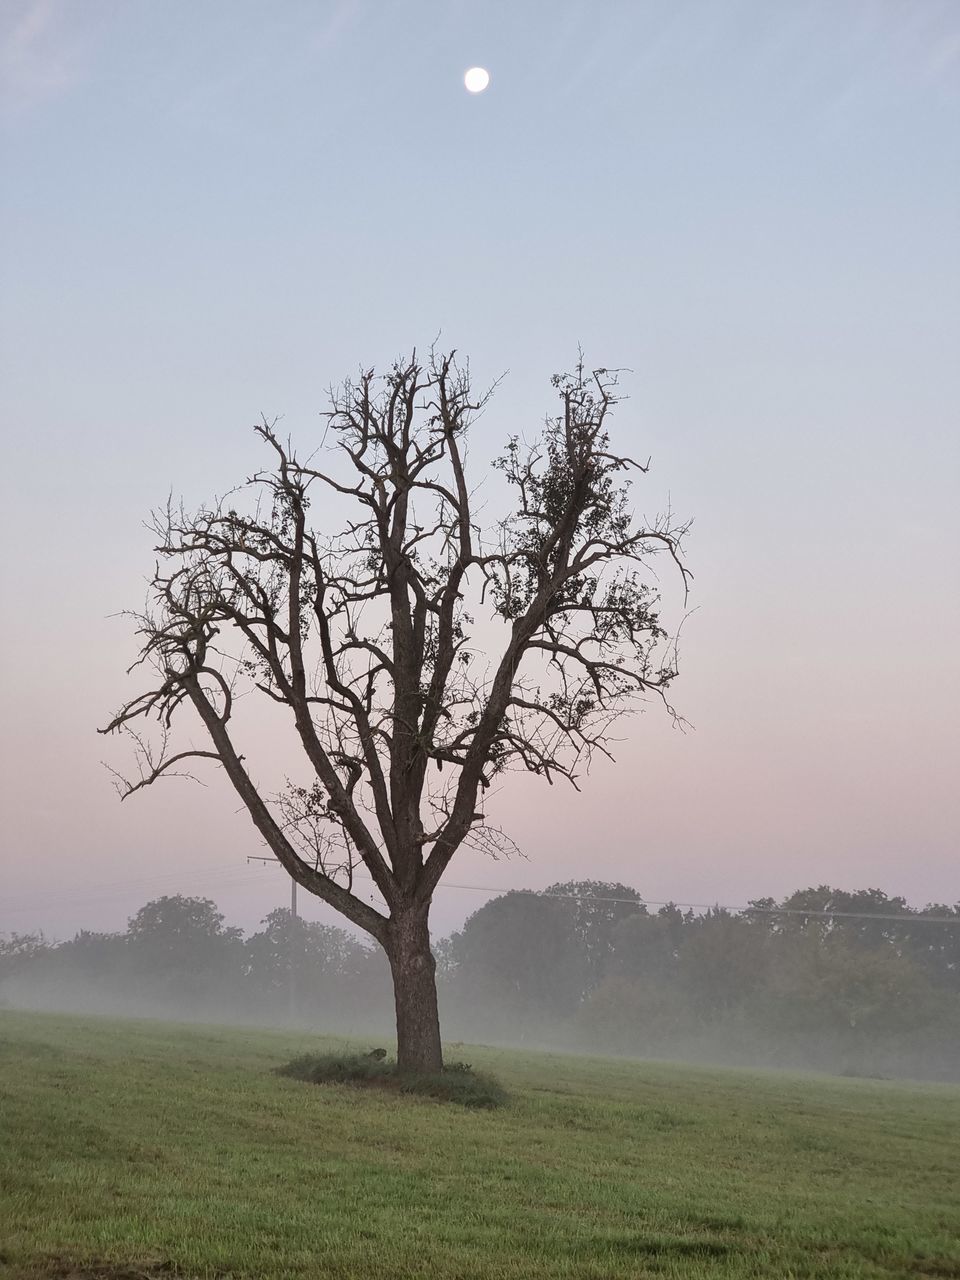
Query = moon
x=476 y=79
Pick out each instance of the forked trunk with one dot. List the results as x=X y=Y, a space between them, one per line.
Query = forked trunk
x=415 y=993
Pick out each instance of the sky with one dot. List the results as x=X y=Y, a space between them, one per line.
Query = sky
x=212 y=212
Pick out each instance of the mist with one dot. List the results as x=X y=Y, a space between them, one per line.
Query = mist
x=850 y=983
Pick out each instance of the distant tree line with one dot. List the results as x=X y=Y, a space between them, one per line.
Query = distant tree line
x=178 y=959
x=854 y=982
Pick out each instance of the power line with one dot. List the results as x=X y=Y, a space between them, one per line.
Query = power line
x=692 y=906
x=228 y=876
x=716 y=906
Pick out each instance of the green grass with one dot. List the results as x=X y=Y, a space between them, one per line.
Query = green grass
x=136 y=1148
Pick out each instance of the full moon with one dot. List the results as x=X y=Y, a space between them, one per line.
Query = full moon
x=476 y=79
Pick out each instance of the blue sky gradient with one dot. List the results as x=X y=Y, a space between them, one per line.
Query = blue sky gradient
x=209 y=212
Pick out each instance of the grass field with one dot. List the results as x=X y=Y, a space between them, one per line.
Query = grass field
x=141 y=1149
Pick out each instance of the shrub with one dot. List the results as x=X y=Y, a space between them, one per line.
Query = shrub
x=458 y=1082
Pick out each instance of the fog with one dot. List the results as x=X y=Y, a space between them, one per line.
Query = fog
x=853 y=983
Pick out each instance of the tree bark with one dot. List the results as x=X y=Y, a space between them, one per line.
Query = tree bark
x=415 y=992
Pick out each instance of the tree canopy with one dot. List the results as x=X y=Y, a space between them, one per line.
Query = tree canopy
x=365 y=636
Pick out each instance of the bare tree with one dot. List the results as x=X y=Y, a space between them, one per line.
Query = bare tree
x=364 y=637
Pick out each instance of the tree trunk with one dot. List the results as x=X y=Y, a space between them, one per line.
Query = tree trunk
x=415 y=993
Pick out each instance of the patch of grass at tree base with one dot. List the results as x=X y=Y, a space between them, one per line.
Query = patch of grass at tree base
x=457 y=1082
